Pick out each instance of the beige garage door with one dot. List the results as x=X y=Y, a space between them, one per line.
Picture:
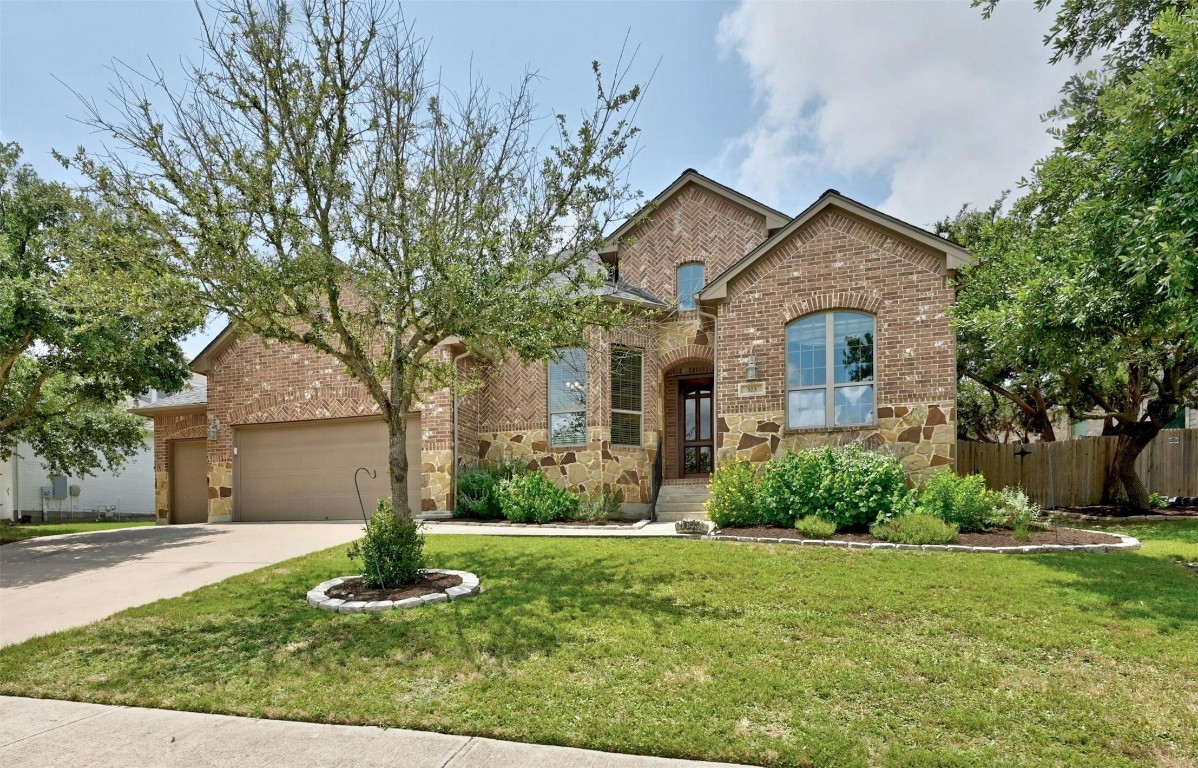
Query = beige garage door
x=189 y=481
x=305 y=471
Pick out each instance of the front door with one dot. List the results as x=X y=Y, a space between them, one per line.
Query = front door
x=695 y=427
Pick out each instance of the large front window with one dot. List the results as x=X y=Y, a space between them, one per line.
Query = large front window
x=568 y=398
x=626 y=395
x=838 y=342
x=690 y=282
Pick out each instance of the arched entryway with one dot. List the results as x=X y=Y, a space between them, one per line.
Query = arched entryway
x=688 y=396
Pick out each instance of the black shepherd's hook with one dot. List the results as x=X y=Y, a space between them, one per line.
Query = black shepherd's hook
x=372 y=475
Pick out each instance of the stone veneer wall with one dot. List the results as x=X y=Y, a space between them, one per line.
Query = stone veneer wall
x=839 y=262
x=168 y=427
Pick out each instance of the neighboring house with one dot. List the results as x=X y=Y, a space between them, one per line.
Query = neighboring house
x=127 y=492
x=761 y=333
x=1186 y=418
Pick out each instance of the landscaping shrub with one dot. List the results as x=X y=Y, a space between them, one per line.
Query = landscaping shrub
x=733 y=495
x=961 y=501
x=1016 y=511
x=815 y=527
x=847 y=486
x=916 y=528
x=531 y=498
x=392 y=552
x=476 y=491
x=606 y=506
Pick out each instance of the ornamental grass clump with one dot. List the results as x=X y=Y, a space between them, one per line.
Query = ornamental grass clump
x=391 y=552
x=848 y=486
x=815 y=527
x=916 y=528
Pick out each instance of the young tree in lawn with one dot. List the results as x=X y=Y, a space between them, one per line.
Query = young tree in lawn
x=82 y=326
x=317 y=186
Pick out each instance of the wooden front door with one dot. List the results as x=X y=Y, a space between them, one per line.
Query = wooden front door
x=695 y=427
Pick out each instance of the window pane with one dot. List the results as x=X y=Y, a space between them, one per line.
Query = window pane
x=806 y=408
x=806 y=352
x=568 y=429
x=690 y=280
x=626 y=379
x=855 y=405
x=705 y=418
x=568 y=382
x=853 y=353
x=626 y=429
x=696 y=460
x=689 y=408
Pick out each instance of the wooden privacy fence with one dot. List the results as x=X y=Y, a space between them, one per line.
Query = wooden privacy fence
x=1071 y=473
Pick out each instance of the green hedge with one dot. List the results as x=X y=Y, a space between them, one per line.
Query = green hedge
x=849 y=486
x=531 y=498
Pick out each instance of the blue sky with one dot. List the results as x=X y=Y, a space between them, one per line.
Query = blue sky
x=914 y=107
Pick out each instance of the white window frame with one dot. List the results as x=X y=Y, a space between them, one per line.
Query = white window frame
x=694 y=305
x=549 y=397
x=640 y=433
x=830 y=386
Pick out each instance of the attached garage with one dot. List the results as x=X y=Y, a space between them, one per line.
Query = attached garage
x=189 y=481
x=305 y=470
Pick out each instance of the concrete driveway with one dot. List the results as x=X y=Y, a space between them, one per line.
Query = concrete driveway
x=57 y=582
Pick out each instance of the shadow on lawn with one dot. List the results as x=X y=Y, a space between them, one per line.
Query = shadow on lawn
x=532 y=604
x=1137 y=585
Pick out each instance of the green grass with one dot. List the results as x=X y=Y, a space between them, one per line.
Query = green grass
x=10 y=533
x=767 y=654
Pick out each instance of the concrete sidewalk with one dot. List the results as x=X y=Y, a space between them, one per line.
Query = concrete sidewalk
x=600 y=532
x=43 y=733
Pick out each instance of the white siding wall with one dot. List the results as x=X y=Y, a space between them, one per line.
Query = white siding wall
x=132 y=491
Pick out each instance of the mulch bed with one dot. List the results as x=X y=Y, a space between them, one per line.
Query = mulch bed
x=566 y=523
x=988 y=539
x=1116 y=512
x=426 y=584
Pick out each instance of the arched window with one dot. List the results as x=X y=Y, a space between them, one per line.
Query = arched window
x=830 y=370
x=690 y=282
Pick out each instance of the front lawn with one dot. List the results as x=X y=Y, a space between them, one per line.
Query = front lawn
x=752 y=653
x=10 y=533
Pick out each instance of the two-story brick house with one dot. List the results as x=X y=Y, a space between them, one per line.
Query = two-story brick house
x=757 y=333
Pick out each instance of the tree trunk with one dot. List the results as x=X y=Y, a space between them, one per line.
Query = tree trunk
x=1123 y=466
x=397 y=462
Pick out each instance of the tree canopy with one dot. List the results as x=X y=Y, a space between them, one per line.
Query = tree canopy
x=82 y=325
x=317 y=185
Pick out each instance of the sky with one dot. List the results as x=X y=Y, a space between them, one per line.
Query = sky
x=911 y=106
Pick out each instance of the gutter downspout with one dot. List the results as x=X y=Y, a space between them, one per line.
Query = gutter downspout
x=454 y=484
x=715 y=385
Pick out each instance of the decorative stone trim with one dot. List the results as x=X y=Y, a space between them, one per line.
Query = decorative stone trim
x=1126 y=543
x=319 y=598
x=504 y=524
x=1129 y=519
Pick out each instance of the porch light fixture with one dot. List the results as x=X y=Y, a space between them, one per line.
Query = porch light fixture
x=213 y=429
x=751 y=366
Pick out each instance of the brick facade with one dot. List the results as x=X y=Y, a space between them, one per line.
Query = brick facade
x=834 y=260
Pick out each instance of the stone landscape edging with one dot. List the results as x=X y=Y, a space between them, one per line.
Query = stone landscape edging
x=318 y=597
x=1126 y=543
x=504 y=524
x=1078 y=517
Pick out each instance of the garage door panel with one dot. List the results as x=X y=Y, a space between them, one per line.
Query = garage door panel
x=306 y=471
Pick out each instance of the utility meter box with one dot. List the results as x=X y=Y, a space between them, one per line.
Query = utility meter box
x=46 y=491
x=74 y=490
x=59 y=484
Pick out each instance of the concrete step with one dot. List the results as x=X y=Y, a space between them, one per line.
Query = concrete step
x=673 y=517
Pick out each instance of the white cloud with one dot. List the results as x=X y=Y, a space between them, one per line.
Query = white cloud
x=927 y=96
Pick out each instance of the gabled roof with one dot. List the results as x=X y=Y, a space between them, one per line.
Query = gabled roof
x=630 y=294
x=954 y=255
x=203 y=361
x=192 y=399
x=773 y=217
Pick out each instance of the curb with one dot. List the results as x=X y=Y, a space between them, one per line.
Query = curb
x=319 y=598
